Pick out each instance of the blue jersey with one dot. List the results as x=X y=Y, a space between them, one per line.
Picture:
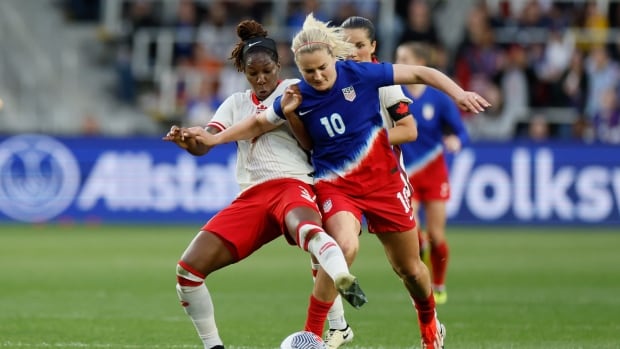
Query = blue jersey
x=435 y=113
x=345 y=123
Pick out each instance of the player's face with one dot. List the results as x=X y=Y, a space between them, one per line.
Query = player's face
x=262 y=73
x=405 y=56
x=364 y=47
x=318 y=68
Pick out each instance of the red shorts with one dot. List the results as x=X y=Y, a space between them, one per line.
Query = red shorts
x=385 y=204
x=256 y=216
x=431 y=183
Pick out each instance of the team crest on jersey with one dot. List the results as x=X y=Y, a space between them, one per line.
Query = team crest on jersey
x=349 y=93
x=327 y=205
x=261 y=107
x=428 y=111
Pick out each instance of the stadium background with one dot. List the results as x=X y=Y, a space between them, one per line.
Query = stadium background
x=95 y=208
x=106 y=79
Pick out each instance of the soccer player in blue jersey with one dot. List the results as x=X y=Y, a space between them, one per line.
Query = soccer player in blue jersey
x=356 y=170
x=440 y=129
x=401 y=128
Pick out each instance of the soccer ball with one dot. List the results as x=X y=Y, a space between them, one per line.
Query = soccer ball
x=303 y=340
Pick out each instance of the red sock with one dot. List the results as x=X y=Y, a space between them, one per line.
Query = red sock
x=317 y=313
x=439 y=263
x=426 y=309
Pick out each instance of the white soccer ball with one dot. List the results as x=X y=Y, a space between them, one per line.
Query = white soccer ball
x=303 y=340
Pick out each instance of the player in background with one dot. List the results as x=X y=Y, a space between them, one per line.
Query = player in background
x=274 y=174
x=356 y=170
x=401 y=127
x=440 y=129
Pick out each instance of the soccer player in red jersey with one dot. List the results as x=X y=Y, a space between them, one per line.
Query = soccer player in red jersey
x=276 y=193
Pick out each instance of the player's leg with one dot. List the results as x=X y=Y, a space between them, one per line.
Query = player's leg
x=303 y=224
x=439 y=251
x=344 y=227
x=205 y=254
x=339 y=331
x=402 y=253
x=422 y=238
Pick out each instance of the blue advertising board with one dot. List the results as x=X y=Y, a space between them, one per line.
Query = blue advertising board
x=147 y=180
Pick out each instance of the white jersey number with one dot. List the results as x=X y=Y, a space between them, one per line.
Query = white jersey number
x=333 y=124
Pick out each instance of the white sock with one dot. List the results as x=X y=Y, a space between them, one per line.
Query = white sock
x=335 y=317
x=199 y=306
x=329 y=255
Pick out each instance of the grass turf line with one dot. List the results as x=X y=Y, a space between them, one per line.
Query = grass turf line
x=113 y=287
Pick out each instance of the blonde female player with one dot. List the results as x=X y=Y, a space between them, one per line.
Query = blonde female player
x=356 y=171
x=277 y=197
x=401 y=127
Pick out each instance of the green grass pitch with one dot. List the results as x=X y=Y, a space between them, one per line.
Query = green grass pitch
x=114 y=287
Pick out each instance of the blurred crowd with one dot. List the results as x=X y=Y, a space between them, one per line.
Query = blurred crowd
x=550 y=68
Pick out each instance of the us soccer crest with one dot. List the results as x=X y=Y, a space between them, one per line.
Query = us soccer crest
x=349 y=93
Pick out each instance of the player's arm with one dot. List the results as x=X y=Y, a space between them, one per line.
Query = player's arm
x=291 y=99
x=405 y=128
x=248 y=128
x=178 y=136
x=406 y=74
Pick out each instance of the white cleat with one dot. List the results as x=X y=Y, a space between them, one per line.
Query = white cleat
x=335 y=338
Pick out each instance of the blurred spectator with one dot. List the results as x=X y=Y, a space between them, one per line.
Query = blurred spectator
x=419 y=25
x=478 y=58
x=606 y=122
x=594 y=24
x=215 y=33
x=205 y=62
x=538 y=130
x=603 y=74
x=573 y=85
x=297 y=12
x=248 y=9
x=138 y=15
x=201 y=107
x=185 y=26
x=498 y=122
x=513 y=81
x=90 y=125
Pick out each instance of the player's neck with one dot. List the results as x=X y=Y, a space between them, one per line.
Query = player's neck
x=416 y=89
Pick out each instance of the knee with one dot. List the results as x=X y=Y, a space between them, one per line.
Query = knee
x=187 y=277
x=412 y=272
x=349 y=248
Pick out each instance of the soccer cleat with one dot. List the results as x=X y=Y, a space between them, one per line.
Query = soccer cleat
x=441 y=297
x=335 y=338
x=349 y=289
x=218 y=347
x=433 y=335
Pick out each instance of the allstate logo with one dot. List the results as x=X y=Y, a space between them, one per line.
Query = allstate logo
x=39 y=178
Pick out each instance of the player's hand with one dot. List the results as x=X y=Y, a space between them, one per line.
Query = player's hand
x=452 y=143
x=472 y=102
x=199 y=135
x=175 y=135
x=291 y=99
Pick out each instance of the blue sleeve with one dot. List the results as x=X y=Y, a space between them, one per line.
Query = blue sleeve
x=277 y=107
x=381 y=74
x=452 y=116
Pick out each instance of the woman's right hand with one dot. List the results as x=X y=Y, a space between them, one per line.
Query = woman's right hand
x=176 y=136
x=199 y=135
x=291 y=99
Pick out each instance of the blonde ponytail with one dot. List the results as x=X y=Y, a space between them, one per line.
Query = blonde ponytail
x=315 y=35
